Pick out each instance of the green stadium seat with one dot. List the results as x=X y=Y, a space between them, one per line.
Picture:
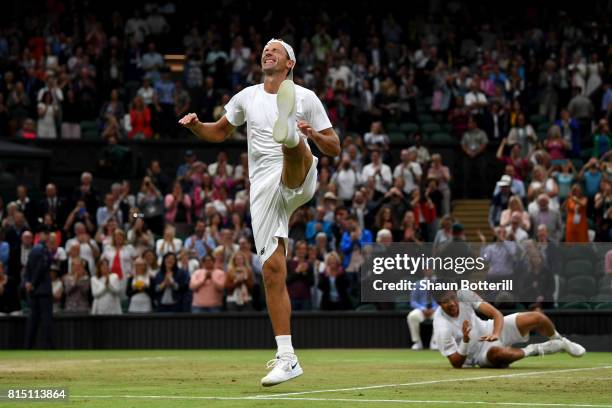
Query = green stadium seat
x=367 y=307
x=602 y=298
x=408 y=127
x=425 y=118
x=578 y=267
x=581 y=285
x=397 y=137
x=543 y=127
x=570 y=298
x=430 y=127
x=447 y=127
x=536 y=119
x=392 y=126
x=576 y=306
x=603 y=306
x=580 y=251
x=403 y=306
x=442 y=138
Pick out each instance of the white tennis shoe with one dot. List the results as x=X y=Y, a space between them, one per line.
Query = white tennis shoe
x=284 y=127
x=284 y=367
x=573 y=349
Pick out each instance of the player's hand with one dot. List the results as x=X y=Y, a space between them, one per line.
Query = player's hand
x=467 y=327
x=189 y=121
x=491 y=337
x=305 y=128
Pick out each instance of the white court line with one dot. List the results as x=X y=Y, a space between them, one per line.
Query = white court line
x=487 y=377
x=351 y=400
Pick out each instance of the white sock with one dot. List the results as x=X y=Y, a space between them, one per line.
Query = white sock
x=283 y=344
x=530 y=350
x=293 y=138
x=556 y=336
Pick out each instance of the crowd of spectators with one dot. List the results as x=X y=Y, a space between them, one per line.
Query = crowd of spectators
x=182 y=241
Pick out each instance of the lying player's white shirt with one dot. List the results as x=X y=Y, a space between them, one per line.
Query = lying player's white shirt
x=259 y=110
x=449 y=331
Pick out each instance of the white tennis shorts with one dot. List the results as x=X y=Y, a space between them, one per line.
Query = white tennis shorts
x=272 y=203
x=510 y=335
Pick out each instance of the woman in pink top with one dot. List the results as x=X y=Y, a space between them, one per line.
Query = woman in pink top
x=208 y=286
x=178 y=205
x=555 y=145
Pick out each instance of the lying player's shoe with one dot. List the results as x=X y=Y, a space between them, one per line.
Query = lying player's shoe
x=284 y=127
x=549 y=347
x=284 y=367
x=573 y=349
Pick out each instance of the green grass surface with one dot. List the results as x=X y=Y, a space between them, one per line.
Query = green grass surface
x=183 y=378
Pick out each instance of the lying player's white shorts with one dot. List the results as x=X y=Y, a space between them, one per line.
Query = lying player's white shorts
x=510 y=335
x=272 y=203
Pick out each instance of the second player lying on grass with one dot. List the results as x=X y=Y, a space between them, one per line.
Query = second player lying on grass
x=467 y=340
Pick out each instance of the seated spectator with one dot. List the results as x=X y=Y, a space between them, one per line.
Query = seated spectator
x=171 y=285
x=208 y=286
x=140 y=120
x=168 y=243
x=576 y=227
x=376 y=138
x=515 y=205
x=543 y=215
x=76 y=286
x=239 y=283
x=106 y=288
x=139 y=289
x=423 y=307
x=523 y=134
x=300 y=278
x=334 y=285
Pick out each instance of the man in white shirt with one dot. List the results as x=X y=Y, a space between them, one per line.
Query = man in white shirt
x=280 y=118
x=346 y=180
x=409 y=169
x=475 y=100
x=379 y=171
x=467 y=340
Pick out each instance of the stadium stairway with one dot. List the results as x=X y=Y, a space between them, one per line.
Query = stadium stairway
x=473 y=215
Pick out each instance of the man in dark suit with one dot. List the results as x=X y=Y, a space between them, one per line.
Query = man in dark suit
x=26 y=205
x=54 y=205
x=38 y=288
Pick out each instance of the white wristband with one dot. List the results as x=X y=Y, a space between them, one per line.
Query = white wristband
x=463 y=348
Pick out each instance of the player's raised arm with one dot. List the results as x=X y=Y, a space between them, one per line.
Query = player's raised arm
x=498 y=321
x=214 y=132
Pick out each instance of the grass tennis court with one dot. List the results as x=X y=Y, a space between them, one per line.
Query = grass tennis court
x=332 y=378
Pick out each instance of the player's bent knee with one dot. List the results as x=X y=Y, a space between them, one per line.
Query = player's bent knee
x=497 y=357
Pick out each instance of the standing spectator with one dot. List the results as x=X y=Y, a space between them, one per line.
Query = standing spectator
x=150 y=200
x=592 y=176
x=139 y=236
x=334 y=285
x=476 y=102
x=76 y=284
x=171 y=285
x=239 y=283
x=140 y=120
x=48 y=114
x=570 y=131
x=178 y=206
x=139 y=288
x=88 y=248
x=352 y=240
x=152 y=62
x=71 y=116
x=120 y=256
x=87 y=193
x=549 y=82
x=53 y=204
x=474 y=143
x=576 y=229
x=38 y=289
x=515 y=205
x=300 y=278
x=376 y=138
x=551 y=219
x=523 y=134
x=207 y=284
x=168 y=243
x=379 y=172
x=346 y=180
x=581 y=108
x=409 y=169
x=602 y=140
x=165 y=90
x=105 y=288
x=442 y=175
